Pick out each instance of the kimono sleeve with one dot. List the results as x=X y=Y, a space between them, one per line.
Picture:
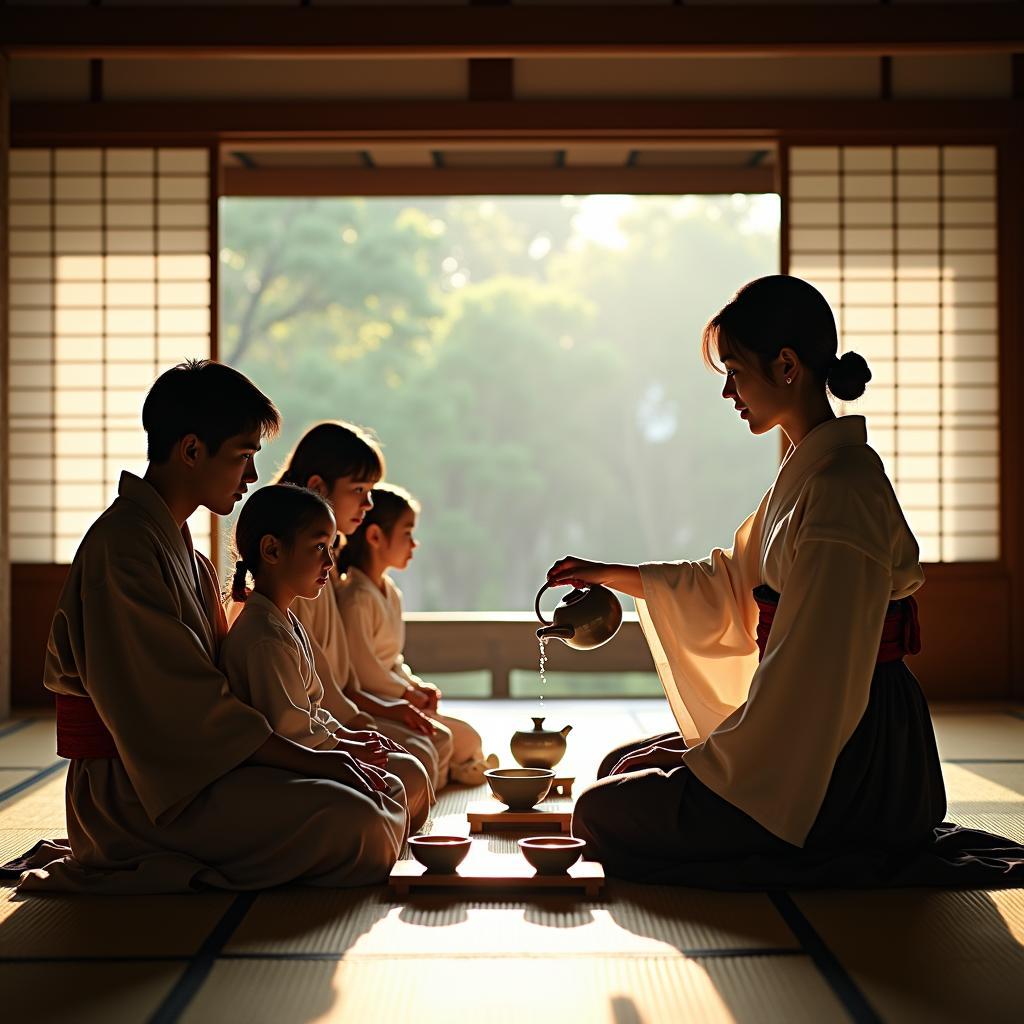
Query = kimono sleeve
x=700 y=622
x=274 y=674
x=774 y=758
x=335 y=703
x=175 y=723
x=360 y=627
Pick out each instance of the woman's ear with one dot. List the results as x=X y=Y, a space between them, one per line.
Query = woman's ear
x=374 y=535
x=270 y=549
x=788 y=366
x=316 y=483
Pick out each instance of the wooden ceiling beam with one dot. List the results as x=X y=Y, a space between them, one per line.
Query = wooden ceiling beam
x=399 y=181
x=529 y=123
x=510 y=31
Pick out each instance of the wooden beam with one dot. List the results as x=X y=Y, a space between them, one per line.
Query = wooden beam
x=401 y=181
x=438 y=122
x=511 y=31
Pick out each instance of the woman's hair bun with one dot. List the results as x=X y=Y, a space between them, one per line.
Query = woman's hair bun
x=848 y=377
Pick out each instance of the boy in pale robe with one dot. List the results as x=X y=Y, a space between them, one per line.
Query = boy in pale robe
x=174 y=784
x=342 y=462
x=267 y=656
x=371 y=609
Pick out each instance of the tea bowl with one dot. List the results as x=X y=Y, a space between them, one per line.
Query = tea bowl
x=520 y=788
x=440 y=854
x=552 y=855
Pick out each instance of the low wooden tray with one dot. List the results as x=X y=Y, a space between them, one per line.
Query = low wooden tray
x=496 y=871
x=490 y=814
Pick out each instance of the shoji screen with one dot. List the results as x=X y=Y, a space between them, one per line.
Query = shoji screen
x=110 y=285
x=902 y=241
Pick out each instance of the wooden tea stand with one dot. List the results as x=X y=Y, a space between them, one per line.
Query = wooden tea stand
x=490 y=814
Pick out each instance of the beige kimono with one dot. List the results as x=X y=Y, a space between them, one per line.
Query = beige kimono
x=272 y=666
x=376 y=636
x=321 y=619
x=137 y=630
x=830 y=537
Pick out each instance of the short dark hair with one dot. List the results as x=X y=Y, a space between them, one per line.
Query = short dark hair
x=205 y=398
x=282 y=510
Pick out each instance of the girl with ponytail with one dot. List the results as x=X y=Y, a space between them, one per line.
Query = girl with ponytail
x=283 y=540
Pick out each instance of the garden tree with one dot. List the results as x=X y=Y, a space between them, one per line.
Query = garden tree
x=538 y=397
x=683 y=453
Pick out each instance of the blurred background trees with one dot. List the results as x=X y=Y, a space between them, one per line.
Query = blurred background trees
x=531 y=365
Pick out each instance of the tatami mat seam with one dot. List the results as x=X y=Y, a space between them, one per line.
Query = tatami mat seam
x=843 y=986
x=40 y=775
x=13 y=727
x=191 y=981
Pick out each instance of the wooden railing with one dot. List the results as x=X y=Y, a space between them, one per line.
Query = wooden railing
x=503 y=641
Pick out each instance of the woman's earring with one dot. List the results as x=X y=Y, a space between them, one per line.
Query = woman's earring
x=789 y=381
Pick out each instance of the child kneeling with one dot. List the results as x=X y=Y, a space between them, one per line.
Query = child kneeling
x=371 y=608
x=283 y=539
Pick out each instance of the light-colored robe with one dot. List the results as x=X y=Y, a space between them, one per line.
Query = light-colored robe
x=268 y=661
x=272 y=665
x=831 y=539
x=376 y=637
x=137 y=630
x=321 y=619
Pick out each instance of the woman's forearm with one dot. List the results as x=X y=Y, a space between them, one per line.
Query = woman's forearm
x=625 y=579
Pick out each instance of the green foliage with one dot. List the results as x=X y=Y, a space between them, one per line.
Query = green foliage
x=540 y=392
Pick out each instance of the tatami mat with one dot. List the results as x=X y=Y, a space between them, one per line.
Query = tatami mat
x=99 y=926
x=513 y=991
x=633 y=920
x=85 y=993
x=928 y=956
x=975 y=735
x=29 y=743
x=641 y=955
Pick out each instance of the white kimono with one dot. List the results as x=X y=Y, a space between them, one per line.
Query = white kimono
x=376 y=636
x=137 y=631
x=272 y=664
x=269 y=663
x=831 y=539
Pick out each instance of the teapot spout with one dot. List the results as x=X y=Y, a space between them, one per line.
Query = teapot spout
x=562 y=632
x=566 y=730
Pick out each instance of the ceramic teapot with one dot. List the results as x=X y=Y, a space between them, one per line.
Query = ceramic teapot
x=539 y=747
x=585 y=618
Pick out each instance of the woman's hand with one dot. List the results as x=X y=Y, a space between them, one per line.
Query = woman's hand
x=360 y=722
x=577 y=572
x=365 y=735
x=654 y=756
x=580 y=572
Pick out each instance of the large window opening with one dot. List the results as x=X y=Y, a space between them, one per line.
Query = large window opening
x=531 y=365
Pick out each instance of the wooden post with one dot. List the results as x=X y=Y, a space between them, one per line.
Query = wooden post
x=5 y=419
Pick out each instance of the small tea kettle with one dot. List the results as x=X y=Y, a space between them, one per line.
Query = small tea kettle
x=585 y=618
x=539 y=747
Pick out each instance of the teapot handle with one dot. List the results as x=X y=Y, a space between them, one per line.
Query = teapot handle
x=536 y=606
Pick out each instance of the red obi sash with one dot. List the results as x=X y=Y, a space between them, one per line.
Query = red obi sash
x=901 y=631
x=80 y=730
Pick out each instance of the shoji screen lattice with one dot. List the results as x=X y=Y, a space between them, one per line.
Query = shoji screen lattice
x=110 y=285
x=902 y=241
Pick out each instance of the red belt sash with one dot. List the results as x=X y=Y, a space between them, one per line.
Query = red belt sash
x=80 y=730
x=901 y=631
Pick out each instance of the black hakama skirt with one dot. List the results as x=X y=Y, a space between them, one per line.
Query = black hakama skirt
x=881 y=822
